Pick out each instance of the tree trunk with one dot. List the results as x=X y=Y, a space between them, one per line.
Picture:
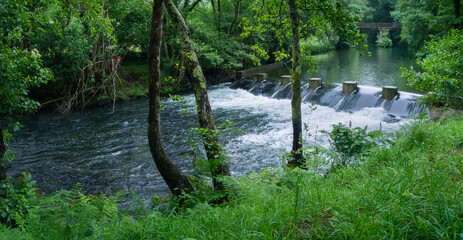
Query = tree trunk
x=195 y=75
x=296 y=84
x=174 y=178
x=457 y=9
x=219 y=16
x=237 y=11
x=2 y=165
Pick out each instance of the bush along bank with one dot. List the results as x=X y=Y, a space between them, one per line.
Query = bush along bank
x=408 y=189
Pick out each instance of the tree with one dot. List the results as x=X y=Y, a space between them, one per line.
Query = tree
x=214 y=153
x=306 y=18
x=296 y=82
x=131 y=21
x=442 y=71
x=78 y=44
x=178 y=183
x=422 y=18
x=20 y=69
x=361 y=8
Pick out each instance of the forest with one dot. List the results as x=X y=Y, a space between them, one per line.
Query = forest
x=397 y=178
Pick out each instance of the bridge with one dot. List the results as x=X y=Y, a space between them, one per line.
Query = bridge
x=379 y=26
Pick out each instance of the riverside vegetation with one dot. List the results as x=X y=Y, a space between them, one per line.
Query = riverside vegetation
x=404 y=185
x=410 y=188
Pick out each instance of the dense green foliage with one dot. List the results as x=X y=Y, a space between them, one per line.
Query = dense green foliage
x=442 y=71
x=325 y=21
x=383 y=39
x=421 y=19
x=131 y=20
x=408 y=190
x=85 y=42
x=349 y=142
x=78 y=45
x=20 y=69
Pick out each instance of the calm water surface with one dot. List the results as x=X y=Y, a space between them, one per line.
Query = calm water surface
x=382 y=68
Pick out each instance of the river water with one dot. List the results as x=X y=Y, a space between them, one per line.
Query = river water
x=107 y=150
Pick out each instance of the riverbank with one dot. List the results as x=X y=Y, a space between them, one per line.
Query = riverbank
x=410 y=189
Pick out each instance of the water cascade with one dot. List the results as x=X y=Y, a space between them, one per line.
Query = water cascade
x=348 y=96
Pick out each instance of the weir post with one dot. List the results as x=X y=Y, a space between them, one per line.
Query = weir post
x=389 y=92
x=261 y=77
x=348 y=87
x=314 y=83
x=240 y=74
x=285 y=80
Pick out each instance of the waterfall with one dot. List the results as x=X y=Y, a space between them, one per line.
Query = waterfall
x=402 y=106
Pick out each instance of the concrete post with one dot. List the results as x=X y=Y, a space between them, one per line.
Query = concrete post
x=240 y=74
x=348 y=87
x=389 y=92
x=285 y=80
x=314 y=83
x=261 y=77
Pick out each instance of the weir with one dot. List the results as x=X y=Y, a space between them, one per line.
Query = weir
x=348 y=97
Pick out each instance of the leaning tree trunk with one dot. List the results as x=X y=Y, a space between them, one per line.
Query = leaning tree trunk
x=296 y=84
x=174 y=178
x=195 y=75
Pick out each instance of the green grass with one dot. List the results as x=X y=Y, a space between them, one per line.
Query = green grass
x=411 y=189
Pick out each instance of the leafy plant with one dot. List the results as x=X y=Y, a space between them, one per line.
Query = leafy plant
x=442 y=71
x=349 y=142
x=384 y=42
x=21 y=198
x=70 y=214
x=203 y=167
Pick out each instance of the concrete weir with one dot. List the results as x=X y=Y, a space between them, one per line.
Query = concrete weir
x=348 y=96
x=285 y=80
x=315 y=83
x=389 y=92
x=348 y=87
x=261 y=77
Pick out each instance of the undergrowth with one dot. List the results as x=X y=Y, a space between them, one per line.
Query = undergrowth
x=408 y=189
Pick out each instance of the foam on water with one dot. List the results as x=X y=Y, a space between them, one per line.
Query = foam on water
x=264 y=144
x=105 y=149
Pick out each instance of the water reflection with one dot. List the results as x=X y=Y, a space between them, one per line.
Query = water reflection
x=382 y=68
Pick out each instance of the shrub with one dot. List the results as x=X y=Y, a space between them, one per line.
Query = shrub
x=442 y=72
x=384 y=42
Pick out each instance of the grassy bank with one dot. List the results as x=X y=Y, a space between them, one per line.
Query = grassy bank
x=411 y=189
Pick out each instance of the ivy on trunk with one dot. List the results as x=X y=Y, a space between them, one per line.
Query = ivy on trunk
x=195 y=75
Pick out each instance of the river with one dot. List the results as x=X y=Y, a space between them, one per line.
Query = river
x=107 y=150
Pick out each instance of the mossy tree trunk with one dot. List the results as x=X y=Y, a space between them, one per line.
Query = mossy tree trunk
x=296 y=83
x=195 y=75
x=174 y=178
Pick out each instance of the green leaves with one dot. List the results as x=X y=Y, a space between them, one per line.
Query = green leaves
x=442 y=71
x=350 y=142
x=19 y=70
x=422 y=18
x=317 y=18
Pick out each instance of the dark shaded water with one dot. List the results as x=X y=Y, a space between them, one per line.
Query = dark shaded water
x=108 y=150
